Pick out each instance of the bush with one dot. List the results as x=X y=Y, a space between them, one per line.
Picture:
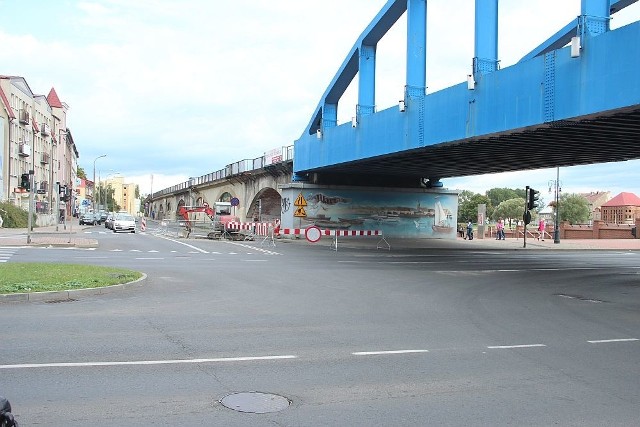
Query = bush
x=14 y=216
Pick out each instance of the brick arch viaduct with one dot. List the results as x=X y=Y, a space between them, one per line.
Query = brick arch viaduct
x=253 y=183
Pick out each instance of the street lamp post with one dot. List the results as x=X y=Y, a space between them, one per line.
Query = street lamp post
x=557 y=184
x=93 y=197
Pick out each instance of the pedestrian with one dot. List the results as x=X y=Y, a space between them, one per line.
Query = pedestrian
x=500 y=229
x=470 y=230
x=541 y=227
x=461 y=231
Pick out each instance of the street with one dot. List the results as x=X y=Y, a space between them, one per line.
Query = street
x=358 y=337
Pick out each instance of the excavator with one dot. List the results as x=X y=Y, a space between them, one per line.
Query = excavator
x=220 y=218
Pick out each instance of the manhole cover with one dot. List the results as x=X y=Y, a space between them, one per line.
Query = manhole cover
x=255 y=402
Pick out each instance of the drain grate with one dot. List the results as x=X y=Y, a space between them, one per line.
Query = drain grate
x=255 y=402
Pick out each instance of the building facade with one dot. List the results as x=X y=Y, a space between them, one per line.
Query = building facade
x=124 y=194
x=622 y=209
x=35 y=142
x=596 y=199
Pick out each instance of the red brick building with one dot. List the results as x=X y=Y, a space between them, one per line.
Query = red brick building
x=622 y=209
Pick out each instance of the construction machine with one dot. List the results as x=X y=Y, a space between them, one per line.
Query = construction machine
x=220 y=216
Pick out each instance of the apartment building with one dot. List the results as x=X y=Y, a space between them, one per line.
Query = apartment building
x=596 y=199
x=34 y=138
x=124 y=194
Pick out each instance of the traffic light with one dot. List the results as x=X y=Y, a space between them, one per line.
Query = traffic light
x=533 y=198
x=25 y=181
x=63 y=193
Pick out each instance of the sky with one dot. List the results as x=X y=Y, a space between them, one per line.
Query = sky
x=173 y=89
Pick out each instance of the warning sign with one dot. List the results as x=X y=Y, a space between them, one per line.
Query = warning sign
x=300 y=201
x=300 y=212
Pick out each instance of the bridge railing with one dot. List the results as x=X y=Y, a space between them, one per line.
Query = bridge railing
x=246 y=165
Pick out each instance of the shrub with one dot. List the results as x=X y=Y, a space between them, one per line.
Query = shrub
x=14 y=216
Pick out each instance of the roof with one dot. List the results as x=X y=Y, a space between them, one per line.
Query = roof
x=7 y=106
x=594 y=196
x=623 y=199
x=53 y=99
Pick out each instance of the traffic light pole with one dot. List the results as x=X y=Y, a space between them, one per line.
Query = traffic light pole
x=556 y=228
x=524 y=217
x=29 y=220
x=57 y=208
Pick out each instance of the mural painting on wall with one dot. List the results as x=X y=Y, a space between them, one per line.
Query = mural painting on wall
x=400 y=214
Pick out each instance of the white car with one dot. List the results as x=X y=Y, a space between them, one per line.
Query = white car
x=123 y=222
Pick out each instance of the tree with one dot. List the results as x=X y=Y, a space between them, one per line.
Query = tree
x=499 y=195
x=574 y=208
x=81 y=173
x=509 y=209
x=468 y=205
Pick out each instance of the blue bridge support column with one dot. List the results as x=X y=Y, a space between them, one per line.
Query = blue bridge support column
x=486 y=38
x=594 y=18
x=416 y=48
x=366 y=82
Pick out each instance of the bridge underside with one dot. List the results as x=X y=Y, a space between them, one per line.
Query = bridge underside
x=608 y=137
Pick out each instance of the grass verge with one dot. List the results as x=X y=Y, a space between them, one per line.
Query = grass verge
x=18 y=277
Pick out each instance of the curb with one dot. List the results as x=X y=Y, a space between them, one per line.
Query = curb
x=72 y=295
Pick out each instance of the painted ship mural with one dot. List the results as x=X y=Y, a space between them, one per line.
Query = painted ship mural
x=344 y=211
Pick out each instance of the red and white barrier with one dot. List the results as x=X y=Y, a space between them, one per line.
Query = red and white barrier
x=257 y=228
x=313 y=234
x=143 y=224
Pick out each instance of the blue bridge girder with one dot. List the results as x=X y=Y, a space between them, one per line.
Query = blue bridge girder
x=559 y=106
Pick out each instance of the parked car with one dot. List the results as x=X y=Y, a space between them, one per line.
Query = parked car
x=124 y=222
x=108 y=222
x=103 y=216
x=89 y=218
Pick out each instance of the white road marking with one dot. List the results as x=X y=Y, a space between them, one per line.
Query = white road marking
x=371 y=353
x=153 y=250
x=145 y=362
x=148 y=258
x=116 y=250
x=516 y=346
x=613 y=340
x=186 y=244
x=135 y=250
x=255 y=249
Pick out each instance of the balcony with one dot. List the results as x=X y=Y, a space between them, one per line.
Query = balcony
x=24 y=150
x=24 y=117
x=45 y=158
x=45 y=130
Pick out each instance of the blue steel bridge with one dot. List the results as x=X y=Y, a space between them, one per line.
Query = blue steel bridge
x=573 y=100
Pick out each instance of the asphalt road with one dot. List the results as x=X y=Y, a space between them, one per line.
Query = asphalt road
x=357 y=337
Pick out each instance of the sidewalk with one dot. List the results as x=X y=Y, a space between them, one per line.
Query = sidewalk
x=73 y=236
x=480 y=244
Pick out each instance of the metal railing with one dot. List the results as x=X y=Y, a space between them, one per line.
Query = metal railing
x=246 y=165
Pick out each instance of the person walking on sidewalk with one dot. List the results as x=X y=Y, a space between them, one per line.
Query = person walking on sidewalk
x=500 y=229
x=541 y=228
x=469 y=230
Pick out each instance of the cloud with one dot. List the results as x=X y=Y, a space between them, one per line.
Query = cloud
x=179 y=89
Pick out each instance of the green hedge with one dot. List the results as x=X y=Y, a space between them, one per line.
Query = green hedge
x=14 y=216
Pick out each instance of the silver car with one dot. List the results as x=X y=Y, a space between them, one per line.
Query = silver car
x=123 y=222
